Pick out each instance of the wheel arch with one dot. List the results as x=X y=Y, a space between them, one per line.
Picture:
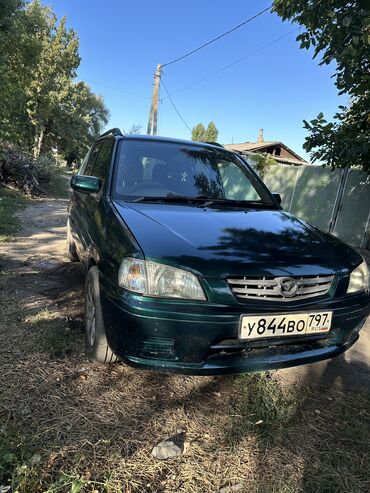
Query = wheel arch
x=92 y=258
x=90 y=263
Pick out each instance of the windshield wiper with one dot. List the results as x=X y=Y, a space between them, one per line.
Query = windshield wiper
x=200 y=200
x=233 y=202
x=170 y=198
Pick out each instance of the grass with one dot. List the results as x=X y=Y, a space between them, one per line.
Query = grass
x=246 y=430
x=92 y=429
x=54 y=335
x=309 y=439
x=262 y=407
x=69 y=426
x=41 y=316
x=11 y=204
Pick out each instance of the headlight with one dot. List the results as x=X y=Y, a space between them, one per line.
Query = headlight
x=359 y=279
x=153 y=279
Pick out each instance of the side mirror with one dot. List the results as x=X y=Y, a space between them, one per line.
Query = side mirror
x=277 y=197
x=85 y=184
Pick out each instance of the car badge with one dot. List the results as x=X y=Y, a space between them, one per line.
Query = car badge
x=288 y=287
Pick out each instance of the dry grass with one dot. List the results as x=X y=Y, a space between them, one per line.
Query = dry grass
x=93 y=428
x=70 y=426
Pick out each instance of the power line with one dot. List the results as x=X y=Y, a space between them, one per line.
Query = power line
x=117 y=89
x=217 y=38
x=236 y=61
x=174 y=106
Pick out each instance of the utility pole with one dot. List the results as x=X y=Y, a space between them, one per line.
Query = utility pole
x=153 y=115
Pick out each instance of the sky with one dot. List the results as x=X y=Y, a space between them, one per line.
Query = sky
x=275 y=87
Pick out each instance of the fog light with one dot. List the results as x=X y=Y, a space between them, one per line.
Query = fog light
x=159 y=347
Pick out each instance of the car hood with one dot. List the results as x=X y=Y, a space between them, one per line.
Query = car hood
x=221 y=242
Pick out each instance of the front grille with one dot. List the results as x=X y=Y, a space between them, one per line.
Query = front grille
x=277 y=288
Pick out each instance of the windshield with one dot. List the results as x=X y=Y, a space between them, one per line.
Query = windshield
x=150 y=169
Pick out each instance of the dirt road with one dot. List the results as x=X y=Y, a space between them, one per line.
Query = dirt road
x=104 y=421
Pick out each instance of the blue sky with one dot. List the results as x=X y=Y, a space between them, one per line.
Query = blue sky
x=275 y=88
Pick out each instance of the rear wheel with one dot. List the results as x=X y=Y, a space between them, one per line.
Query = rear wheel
x=96 y=344
x=71 y=247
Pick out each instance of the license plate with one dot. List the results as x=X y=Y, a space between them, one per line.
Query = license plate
x=281 y=325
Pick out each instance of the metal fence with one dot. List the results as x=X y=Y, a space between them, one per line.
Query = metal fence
x=337 y=201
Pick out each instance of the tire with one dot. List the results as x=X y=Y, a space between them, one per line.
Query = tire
x=97 y=348
x=71 y=247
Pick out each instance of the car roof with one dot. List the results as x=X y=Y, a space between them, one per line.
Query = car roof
x=156 y=138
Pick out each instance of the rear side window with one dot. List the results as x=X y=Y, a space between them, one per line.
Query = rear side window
x=102 y=162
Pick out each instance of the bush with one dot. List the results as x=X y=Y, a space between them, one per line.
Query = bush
x=20 y=170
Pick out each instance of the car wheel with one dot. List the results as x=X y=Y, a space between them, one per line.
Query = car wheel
x=97 y=348
x=71 y=247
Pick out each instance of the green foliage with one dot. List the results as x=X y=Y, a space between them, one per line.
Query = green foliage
x=57 y=62
x=211 y=132
x=52 y=175
x=41 y=108
x=201 y=134
x=12 y=94
x=13 y=450
x=263 y=409
x=338 y=30
x=77 y=121
x=261 y=163
x=344 y=142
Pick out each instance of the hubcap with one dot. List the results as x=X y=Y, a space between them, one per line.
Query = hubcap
x=90 y=316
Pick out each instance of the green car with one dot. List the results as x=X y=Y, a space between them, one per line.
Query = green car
x=193 y=267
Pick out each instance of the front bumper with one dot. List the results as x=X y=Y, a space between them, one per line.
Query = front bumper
x=258 y=360
x=200 y=338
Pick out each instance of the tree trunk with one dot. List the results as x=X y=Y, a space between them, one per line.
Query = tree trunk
x=69 y=160
x=39 y=136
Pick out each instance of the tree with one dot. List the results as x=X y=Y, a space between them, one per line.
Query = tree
x=198 y=133
x=261 y=163
x=135 y=129
x=338 y=30
x=9 y=11
x=12 y=78
x=76 y=122
x=41 y=108
x=56 y=66
x=201 y=134
x=211 y=133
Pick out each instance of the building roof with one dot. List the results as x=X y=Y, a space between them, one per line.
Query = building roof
x=287 y=160
x=279 y=159
x=260 y=146
x=251 y=146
